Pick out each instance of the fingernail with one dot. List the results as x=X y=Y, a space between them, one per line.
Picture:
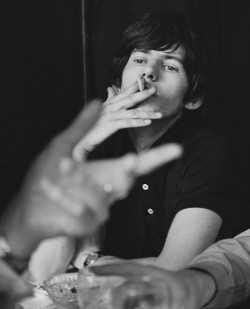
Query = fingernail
x=157 y=114
x=147 y=121
x=151 y=89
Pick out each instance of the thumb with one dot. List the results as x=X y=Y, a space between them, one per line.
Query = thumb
x=111 y=93
x=80 y=126
x=154 y=158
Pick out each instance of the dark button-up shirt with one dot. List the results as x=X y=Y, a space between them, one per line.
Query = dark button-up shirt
x=139 y=224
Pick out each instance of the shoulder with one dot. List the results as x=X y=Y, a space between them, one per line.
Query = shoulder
x=205 y=160
x=196 y=136
x=202 y=143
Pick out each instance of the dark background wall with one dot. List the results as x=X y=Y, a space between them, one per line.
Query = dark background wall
x=42 y=82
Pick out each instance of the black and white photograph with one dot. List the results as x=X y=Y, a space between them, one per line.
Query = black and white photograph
x=125 y=154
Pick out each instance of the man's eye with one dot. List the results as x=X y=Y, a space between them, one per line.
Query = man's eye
x=170 y=68
x=139 y=61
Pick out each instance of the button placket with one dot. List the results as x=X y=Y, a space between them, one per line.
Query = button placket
x=145 y=187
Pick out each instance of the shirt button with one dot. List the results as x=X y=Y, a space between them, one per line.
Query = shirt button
x=150 y=211
x=145 y=186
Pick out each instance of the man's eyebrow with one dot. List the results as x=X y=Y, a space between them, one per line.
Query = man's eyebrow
x=168 y=55
x=141 y=50
x=175 y=57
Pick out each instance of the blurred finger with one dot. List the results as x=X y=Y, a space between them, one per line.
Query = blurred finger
x=83 y=123
x=154 y=158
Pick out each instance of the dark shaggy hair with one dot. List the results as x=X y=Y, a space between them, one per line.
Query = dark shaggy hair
x=165 y=31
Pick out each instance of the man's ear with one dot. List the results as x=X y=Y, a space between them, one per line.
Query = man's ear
x=194 y=103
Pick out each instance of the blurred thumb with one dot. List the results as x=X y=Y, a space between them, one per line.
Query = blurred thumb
x=81 y=125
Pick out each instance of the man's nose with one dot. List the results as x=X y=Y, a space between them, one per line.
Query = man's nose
x=150 y=74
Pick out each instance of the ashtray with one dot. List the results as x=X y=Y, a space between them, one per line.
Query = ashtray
x=62 y=289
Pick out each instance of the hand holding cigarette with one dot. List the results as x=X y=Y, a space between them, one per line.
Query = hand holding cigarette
x=119 y=112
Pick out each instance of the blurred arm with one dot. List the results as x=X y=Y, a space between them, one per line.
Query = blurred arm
x=229 y=262
x=185 y=289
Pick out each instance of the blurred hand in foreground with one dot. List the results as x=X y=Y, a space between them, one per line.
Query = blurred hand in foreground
x=62 y=196
x=185 y=289
x=118 y=112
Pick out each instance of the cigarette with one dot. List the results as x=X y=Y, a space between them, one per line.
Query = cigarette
x=141 y=82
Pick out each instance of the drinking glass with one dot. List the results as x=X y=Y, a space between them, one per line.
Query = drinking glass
x=140 y=293
x=95 y=292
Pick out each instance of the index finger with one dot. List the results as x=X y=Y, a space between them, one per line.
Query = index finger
x=156 y=157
